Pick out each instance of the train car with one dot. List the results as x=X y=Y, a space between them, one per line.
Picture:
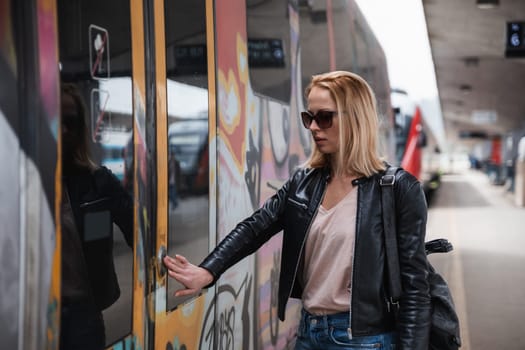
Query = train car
x=416 y=147
x=218 y=85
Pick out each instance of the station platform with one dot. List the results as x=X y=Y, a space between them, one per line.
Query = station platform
x=486 y=269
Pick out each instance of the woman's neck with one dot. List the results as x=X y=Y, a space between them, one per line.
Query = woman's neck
x=343 y=178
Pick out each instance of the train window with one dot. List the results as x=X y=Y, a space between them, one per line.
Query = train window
x=269 y=59
x=97 y=156
x=342 y=34
x=187 y=99
x=339 y=31
x=313 y=43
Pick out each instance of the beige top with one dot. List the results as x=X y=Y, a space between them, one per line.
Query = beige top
x=329 y=254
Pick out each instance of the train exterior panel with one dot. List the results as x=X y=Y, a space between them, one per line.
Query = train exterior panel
x=201 y=90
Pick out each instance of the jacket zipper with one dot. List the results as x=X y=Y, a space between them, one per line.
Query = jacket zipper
x=86 y=204
x=305 y=236
x=349 y=330
x=302 y=205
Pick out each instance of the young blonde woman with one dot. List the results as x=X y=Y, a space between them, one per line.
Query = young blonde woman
x=333 y=253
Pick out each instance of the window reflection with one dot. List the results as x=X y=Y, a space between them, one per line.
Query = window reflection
x=187 y=99
x=97 y=206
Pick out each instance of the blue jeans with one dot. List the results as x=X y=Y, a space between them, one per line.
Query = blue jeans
x=330 y=332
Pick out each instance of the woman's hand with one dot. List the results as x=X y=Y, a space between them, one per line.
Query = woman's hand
x=193 y=277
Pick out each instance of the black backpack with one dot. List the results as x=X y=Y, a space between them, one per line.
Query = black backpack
x=444 y=329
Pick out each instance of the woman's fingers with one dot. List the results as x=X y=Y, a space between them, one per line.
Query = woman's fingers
x=181 y=277
x=192 y=277
x=180 y=269
x=181 y=259
x=179 y=263
x=178 y=260
x=169 y=261
x=186 y=281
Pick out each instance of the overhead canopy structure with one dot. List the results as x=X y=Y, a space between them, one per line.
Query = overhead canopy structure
x=481 y=81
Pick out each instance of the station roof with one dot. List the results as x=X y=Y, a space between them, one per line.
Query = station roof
x=481 y=91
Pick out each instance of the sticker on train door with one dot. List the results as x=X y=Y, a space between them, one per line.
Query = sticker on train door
x=100 y=116
x=99 y=52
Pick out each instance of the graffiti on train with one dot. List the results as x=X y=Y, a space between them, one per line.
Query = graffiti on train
x=231 y=324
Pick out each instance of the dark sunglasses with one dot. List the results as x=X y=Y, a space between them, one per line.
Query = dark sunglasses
x=323 y=119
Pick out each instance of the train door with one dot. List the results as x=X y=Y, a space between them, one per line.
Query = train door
x=139 y=72
x=186 y=222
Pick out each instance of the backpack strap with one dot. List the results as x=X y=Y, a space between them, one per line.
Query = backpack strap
x=387 y=182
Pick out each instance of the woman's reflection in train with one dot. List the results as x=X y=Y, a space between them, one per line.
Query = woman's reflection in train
x=93 y=199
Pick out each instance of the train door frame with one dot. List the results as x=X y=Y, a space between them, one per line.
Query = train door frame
x=153 y=325
x=141 y=324
x=185 y=320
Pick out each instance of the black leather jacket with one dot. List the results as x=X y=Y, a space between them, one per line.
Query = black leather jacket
x=292 y=209
x=92 y=192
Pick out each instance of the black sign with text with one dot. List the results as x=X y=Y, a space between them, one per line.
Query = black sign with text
x=266 y=53
x=191 y=59
x=515 y=42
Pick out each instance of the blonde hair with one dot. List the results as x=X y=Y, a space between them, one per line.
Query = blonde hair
x=358 y=125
